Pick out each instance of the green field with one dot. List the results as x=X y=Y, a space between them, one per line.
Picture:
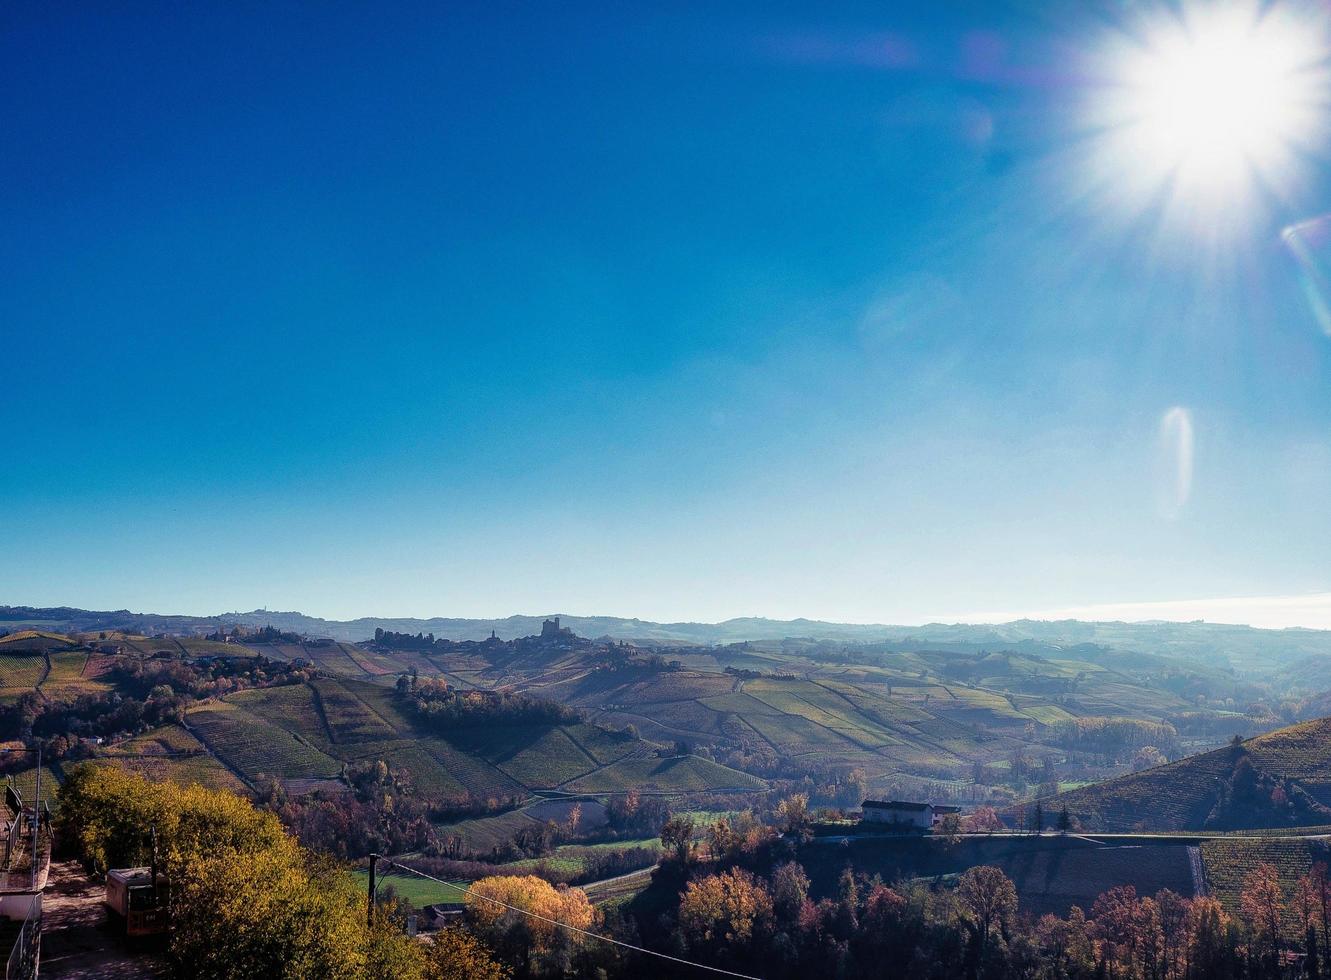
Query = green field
x=420 y=892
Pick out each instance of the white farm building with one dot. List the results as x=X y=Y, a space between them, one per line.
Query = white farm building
x=922 y=816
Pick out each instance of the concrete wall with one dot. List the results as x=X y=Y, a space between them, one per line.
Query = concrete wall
x=15 y=905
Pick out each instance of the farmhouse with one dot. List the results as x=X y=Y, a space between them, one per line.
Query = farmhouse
x=923 y=816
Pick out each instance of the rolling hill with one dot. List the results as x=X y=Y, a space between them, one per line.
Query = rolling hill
x=342 y=711
x=922 y=720
x=1280 y=779
x=953 y=720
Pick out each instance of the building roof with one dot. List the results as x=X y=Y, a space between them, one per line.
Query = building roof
x=893 y=805
x=944 y=808
x=132 y=876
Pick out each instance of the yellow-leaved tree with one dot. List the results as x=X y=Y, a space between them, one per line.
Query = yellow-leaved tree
x=538 y=945
x=726 y=914
x=246 y=900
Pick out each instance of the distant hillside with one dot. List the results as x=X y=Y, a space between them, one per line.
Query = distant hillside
x=1241 y=647
x=1280 y=779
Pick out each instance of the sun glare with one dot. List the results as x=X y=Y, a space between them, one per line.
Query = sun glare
x=1218 y=101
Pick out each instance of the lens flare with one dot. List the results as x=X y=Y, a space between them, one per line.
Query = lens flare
x=1175 y=442
x=1310 y=243
x=1209 y=106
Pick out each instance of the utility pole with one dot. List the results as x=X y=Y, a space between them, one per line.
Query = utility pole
x=36 y=816
x=369 y=901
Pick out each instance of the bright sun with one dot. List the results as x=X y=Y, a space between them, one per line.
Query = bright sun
x=1219 y=99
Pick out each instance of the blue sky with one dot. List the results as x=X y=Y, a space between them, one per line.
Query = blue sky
x=683 y=311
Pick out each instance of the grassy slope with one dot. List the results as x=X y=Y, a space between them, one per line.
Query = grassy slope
x=1180 y=795
x=925 y=714
x=310 y=730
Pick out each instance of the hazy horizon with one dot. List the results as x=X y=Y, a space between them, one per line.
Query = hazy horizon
x=1312 y=611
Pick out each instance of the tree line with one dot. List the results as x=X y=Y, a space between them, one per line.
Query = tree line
x=437 y=706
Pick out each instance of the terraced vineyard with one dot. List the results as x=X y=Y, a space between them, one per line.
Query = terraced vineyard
x=484 y=834
x=186 y=770
x=21 y=673
x=1228 y=862
x=171 y=753
x=291 y=706
x=256 y=747
x=907 y=718
x=25 y=781
x=1181 y=795
x=309 y=731
x=681 y=774
x=1170 y=797
x=349 y=719
x=919 y=720
x=427 y=773
x=538 y=757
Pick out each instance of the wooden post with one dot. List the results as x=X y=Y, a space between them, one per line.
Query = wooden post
x=369 y=901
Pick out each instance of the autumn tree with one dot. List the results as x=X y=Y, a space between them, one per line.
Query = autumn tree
x=793 y=814
x=949 y=828
x=988 y=898
x=724 y=914
x=524 y=918
x=1067 y=943
x=1117 y=924
x=789 y=891
x=246 y=898
x=1314 y=894
x=983 y=820
x=455 y=954
x=1173 y=912
x=265 y=914
x=1208 y=928
x=1147 y=757
x=1263 y=901
x=677 y=839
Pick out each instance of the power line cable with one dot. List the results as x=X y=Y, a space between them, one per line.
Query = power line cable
x=571 y=928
